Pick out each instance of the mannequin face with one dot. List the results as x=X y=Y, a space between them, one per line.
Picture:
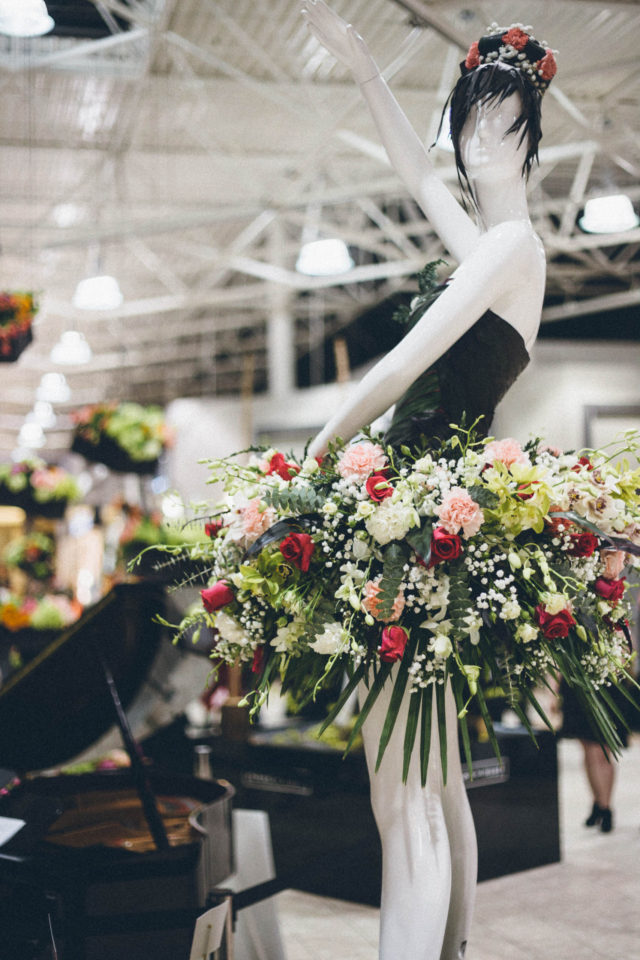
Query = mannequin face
x=488 y=152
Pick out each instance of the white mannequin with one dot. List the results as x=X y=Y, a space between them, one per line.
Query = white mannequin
x=428 y=837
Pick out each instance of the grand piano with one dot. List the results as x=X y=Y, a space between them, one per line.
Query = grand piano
x=113 y=863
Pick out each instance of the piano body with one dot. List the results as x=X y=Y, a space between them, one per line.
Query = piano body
x=108 y=864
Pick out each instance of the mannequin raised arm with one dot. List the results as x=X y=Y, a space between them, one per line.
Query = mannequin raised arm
x=404 y=148
x=488 y=275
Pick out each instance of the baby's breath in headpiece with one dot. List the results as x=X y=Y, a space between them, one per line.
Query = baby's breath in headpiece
x=516 y=47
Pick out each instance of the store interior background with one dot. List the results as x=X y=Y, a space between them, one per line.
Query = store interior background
x=190 y=148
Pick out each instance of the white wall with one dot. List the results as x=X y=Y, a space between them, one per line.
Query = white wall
x=548 y=400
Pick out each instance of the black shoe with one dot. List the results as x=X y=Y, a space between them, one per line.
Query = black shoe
x=606 y=821
x=595 y=816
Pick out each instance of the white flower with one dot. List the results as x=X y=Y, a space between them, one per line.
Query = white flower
x=361 y=549
x=230 y=630
x=330 y=508
x=286 y=637
x=510 y=610
x=424 y=465
x=555 y=602
x=309 y=465
x=473 y=622
x=365 y=509
x=391 y=521
x=441 y=646
x=526 y=632
x=332 y=639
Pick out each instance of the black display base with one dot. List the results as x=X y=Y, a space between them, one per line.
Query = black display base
x=113 y=456
x=325 y=840
x=53 y=509
x=12 y=349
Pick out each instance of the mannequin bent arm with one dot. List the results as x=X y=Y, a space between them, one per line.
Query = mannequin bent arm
x=487 y=274
x=406 y=152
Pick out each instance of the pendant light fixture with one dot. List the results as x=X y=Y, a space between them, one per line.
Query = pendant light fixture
x=25 y=18
x=612 y=214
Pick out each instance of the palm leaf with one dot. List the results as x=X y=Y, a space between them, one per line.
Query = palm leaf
x=372 y=696
x=425 y=732
x=396 y=697
x=464 y=727
x=442 y=728
x=344 y=696
x=410 y=732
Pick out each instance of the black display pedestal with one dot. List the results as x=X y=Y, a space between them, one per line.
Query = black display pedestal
x=323 y=832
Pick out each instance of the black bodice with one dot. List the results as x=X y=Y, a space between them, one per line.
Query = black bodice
x=467 y=382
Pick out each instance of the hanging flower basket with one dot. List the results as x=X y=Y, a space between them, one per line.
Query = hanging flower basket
x=125 y=437
x=17 y=311
x=39 y=488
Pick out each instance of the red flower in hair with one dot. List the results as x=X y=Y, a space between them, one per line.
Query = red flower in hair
x=547 y=66
x=517 y=38
x=473 y=56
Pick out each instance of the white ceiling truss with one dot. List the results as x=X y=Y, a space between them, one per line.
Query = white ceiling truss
x=189 y=153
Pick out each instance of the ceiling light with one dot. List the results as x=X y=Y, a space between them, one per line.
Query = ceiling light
x=66 y=214
x=31 y=436
x=324 y=258
x=98 y=293
x=613 y=214
x=25 y=18
x=71 y=349
x=53 y=388
x=43 y=415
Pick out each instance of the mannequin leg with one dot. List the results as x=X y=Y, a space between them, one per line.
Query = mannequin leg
x=426 y=866
x=464 y=846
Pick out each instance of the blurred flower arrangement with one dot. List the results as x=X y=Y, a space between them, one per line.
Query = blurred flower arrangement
x=126 y=437
x=50 y=612
x=32 y=553
x=179 y=545
x=37 y=487
x=17 y=311
x=481 y=561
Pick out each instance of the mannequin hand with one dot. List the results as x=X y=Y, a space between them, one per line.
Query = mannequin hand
x=340 y=39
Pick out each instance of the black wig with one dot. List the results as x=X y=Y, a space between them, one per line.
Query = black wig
x=493 y=83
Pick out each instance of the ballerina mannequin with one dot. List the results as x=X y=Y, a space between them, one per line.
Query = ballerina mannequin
x=427 y=833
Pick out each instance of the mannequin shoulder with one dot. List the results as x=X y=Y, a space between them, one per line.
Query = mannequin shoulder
x=514 y=241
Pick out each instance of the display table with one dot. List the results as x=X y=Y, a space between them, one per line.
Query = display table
x=324 y=836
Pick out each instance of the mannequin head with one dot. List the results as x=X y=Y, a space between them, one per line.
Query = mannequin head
x=494 y=107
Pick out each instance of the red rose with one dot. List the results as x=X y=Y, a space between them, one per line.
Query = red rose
x=298 y=549
x=517 y=38
x=610 y=590
x=547 y=66
x=279 y=465
x=213 y=529
x=258 y=658
x=217 y=596
x=384 y=488
x=554 y=625
x=583 y=544
x=582 y=462
x=525 y=490
x=444 y=546
x=394 y=640
x=473 y=56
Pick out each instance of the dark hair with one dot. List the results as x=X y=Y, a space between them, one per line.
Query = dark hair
x=493 y=83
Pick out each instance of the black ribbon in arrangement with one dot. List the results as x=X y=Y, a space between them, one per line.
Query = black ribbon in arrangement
x=279 y=530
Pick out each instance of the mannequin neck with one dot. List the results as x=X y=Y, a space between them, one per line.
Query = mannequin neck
x=500 y=200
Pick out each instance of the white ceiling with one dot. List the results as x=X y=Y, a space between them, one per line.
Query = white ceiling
x=191 y=151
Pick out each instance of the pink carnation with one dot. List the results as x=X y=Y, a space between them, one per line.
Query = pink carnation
x=371 y=603
x=46 y=479
x=460 y=511
x=613 y=563
x=256 y=521
x=361 y=460
x=507 y=451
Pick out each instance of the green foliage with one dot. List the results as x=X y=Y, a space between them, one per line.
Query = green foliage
x=295 y=500
x=395 y=557
x=484 y=497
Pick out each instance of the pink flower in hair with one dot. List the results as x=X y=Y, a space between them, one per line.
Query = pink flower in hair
x=473 y=56
x=362 y=459
x=507 y=451
x=547 y=66
x=516 y=37
x=459 y=511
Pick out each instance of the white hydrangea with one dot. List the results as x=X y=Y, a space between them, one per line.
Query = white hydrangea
x=555 y=602
x=333 y=639
x=230 y=630
x=510 y=610
x=391 y=521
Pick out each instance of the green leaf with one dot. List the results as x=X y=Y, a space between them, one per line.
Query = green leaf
x=420 y=540
x=442 y=728
x=482 y=703
x=460 y=600
x=392 y=573
x=344 y=696
x=458 y=688
x=396 y=697
x=483 y=496
x=372 y=696
x=425 y=732
x=410 y=732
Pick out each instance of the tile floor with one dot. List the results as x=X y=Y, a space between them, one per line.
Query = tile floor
x=585 y=908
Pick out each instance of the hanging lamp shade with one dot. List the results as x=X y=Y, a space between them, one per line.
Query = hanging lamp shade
x=324 y=258
x=72 y=349
x=612 y=214
x=25 y=18
x=98 y=293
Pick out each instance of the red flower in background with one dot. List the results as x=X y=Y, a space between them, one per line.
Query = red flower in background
x=213 y=528
x=444 y=546
x=582 y=462
x=610 y=590
x=554 y=625
x=583 y=544
x=217 y=596
x=298 y=549
x=279 y=465
x=394 y=641
x=384 y=488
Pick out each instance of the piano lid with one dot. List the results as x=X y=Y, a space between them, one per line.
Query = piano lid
x=58 y=704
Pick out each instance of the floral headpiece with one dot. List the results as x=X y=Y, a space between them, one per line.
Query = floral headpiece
x=516 y=47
